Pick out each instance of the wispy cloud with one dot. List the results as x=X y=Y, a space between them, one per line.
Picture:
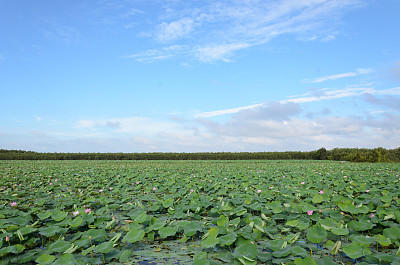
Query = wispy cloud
x=395 y=71
x=314 y=96
x=175 y=29
x=232 y=26
x=226 y=111
x=158 y=54
x=222 y=52
x=325 y=94
x=360 y=71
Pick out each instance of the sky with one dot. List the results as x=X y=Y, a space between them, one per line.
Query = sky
x=199 y=75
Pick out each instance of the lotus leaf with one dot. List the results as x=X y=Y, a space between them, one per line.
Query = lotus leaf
x=133 y=236
x=49 y=231
x=67 y=259
x=316 y=234
x=284 y=252
x=58 y=215
x=76 y=222
x=326 y=261
x=125 y=256
x=191 y=228
x=96 y=235
x=305 y=261
x=355 y=250
x=45 y=259
x=104 y=247
x=209 y=242
x=167 y=231
x=228 y=239
x=340 y=231
x=59 y=246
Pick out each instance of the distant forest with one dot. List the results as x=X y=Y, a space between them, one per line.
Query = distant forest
x=338 y=154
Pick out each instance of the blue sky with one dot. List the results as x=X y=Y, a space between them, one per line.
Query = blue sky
x=199 y=76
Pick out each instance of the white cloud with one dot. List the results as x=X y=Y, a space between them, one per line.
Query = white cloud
x=157 y=54
x=226 y=111
x=222 y=52
x=326 y=94
x=174 y=30
x=360 y=71
x=232 y=26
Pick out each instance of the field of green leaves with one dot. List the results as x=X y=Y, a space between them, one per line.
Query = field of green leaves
x=199 y=212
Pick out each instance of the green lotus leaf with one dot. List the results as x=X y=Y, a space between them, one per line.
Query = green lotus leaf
x=326 y=261
x=275 y=244
x=156 y=225
x=384 y=241
x=96 y=235
x=328 y=223
x=393 y=233
x=44 y=215
x=19 y=248
x=201 y=262
x=360 y=225
x=305 y=261
x=191 y=228
x=337 y=216
x=210 y=242
x=104 y=247
x=363 y=209
x=234 y=222
x=355 y=250
x=228 y=239
x=200 y=256
x=168 y=203
x=284 y=252
x=26 y=257
x=222 y=220
x=45 y=259
x=167 y=231
x=9 y=249
x=299 y=251
x=340 y=231
x=21 y=220
x=58 y=215
x=394 y=259
x=213 y=232
x=133 y=236
x=142 y=217
x=387 y=198
x=27 y=230
x=240 y=211
x=49 y=231
x=303 y=225
x=84 y=242
x=291 y=238
x=316 y=234
x=59 y=246
x=264 y=257
x=246 y=250
x=77 y=221
x=125 y=256
x=362 y=239
x=276 y=207
x=67 y=259
x=318 y=198
x=292 y=223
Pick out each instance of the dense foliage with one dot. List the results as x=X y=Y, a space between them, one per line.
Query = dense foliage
x=199 y=212
x=338 y=154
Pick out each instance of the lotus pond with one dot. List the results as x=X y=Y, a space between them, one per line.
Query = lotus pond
x=199 y=212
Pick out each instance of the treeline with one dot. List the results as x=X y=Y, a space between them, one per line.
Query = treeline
x=338 y=154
